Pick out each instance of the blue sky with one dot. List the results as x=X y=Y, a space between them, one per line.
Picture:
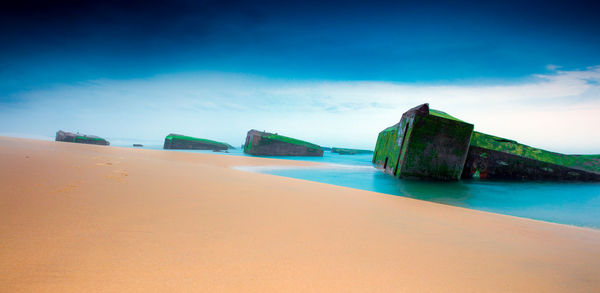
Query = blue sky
x=332 y=72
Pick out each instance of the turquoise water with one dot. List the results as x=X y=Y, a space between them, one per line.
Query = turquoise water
x=572 y=203
x=567 y=203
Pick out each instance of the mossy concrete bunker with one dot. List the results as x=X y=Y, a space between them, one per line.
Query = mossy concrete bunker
x=80 y=138
x=183 y=142
x=427 y=143
x=261 y=143
x=492 y=157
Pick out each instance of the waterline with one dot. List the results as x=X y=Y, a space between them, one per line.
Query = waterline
x=571 y=203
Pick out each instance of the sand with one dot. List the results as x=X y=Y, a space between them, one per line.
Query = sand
x=83 y=218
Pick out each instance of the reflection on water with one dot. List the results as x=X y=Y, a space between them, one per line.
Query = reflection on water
x=573 y=203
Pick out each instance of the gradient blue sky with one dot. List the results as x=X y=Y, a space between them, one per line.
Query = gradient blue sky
x=332 y=72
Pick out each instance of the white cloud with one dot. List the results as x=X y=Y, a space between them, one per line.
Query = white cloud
x=553 y=67
x=558 y=111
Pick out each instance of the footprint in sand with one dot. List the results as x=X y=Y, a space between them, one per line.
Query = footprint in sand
x=67 y=188
x=121 y=172
x=119 y=176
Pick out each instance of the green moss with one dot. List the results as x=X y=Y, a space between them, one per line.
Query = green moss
x=391 y=128
x=427 y=149
x=248 y=144
x=386 y=146
x=443 y=115
x=436 y=147
x=292 y=141
x=88 y=138
x=583 y=162
x=597 y=157
x=189 y=138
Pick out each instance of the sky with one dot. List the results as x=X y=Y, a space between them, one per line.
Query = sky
x=333 y=73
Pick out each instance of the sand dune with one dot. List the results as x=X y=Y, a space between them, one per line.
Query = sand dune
x=83 y=218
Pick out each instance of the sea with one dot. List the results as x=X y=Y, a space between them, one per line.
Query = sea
x=571 y=203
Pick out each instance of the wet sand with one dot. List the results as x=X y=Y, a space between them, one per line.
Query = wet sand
x=84 y=218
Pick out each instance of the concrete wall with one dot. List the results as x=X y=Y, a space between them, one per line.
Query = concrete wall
x=65 y=136
x=183 y=144
x=258 y=144
x=436 y=148
x=423 y=145
x=490 y=164
x=432 y=144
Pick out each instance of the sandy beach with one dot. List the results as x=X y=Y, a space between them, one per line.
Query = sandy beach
x=85 y=218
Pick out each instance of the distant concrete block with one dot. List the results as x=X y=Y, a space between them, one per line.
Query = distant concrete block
x=80 y=138
x=260 y=143
x=183 y=142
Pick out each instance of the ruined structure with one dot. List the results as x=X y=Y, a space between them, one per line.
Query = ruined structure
x=260 y=143
x=182 y=142
x=427 y=143
x=344 y=151
x=80 y=138
x=492 y=157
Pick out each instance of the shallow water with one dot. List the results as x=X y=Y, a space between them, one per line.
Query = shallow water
x=567 y=203
x=572 y=203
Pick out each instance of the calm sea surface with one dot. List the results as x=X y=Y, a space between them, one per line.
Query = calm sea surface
x=572 y=203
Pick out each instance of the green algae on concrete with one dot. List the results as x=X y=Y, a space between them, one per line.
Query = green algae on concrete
x=292 y=141
x=430 y=143
x=83 y=138
x=178 y=141
x=262 y=143
x=80 y=138
x=386 y=149
x=495 y=157
x=486 y=141
x=425 y=143
x=441 y=114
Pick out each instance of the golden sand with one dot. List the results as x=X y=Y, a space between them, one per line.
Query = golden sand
x=84 y=218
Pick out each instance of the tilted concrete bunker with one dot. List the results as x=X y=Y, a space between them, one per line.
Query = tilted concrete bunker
x=261 y=143
x=183 y=142
x=80 y=138
x=427 y=143
x=492 y=157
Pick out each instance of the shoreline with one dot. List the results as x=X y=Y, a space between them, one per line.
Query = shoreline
x=416 y=199
x=79 y=217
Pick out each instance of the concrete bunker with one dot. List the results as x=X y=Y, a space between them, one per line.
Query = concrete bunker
x=183 y=142
x=427 y=143
x=262 y=143
x=80 y=138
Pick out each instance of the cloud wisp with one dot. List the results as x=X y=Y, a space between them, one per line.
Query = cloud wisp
x=558 y=111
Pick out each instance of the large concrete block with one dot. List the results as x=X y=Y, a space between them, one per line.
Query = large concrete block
x=80 y=138
x=260 y=143
x=492 y=157
x=432 y=144
x=183 y=142
x=425 y=143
